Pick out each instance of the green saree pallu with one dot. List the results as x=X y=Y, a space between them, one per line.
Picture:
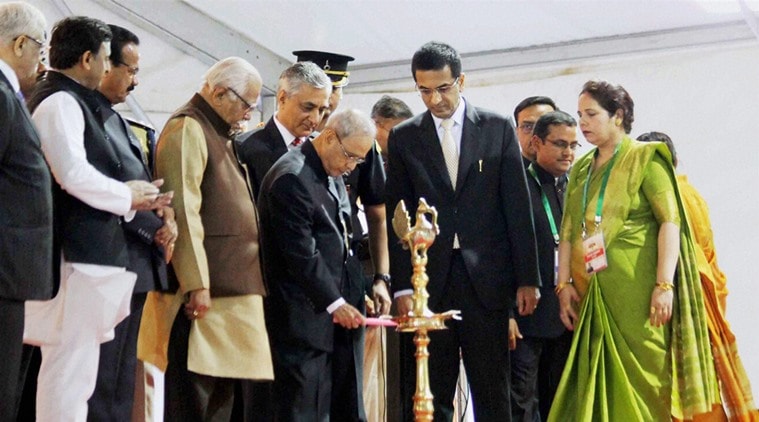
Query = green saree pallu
x=620 y=367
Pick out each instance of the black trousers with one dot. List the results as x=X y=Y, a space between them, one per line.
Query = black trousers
x=190 y=396
x=480 y=339
x=536 y=367
x=113 y=397
x=11 y=346
x=347 y=402
x=302 y=384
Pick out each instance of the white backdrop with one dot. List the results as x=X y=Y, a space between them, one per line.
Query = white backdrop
x=708 y=102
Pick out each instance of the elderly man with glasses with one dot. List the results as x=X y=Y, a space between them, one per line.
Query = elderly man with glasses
x=26 y=204
x=207 y=332
x=305 y=222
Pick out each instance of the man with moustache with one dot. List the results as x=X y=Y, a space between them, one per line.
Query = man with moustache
x=91 y=204
x=465 y=162
x=150 y=238
x=26 y=204
x=526 y=113
x=539 y=356
x=306 y=227
x=208 y=331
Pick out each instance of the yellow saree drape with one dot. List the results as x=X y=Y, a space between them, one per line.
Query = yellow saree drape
x=734 y=384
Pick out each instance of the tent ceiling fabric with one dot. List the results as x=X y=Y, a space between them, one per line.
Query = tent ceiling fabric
x=383 y=35
x=181 y=38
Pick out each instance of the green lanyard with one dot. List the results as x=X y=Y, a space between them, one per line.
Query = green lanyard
x=546 y=205
x=600 y=202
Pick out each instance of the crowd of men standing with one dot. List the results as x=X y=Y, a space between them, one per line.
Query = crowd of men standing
x=238 y=269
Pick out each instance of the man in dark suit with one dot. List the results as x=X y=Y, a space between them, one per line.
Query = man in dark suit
x=464 y=161
x=26 y=204
x=305 y=222
x=302 y=101
x=148 y=236
x=539 y=356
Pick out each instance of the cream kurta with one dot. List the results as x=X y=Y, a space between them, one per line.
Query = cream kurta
x=231 y=340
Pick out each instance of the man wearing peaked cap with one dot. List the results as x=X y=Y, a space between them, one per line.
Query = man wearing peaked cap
x=334 y=65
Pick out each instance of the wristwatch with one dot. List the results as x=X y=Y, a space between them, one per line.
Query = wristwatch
x=383 y=277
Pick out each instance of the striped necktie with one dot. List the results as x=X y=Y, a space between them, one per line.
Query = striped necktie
x=450 y=152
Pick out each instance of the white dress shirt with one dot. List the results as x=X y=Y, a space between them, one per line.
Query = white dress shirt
x=60 y=125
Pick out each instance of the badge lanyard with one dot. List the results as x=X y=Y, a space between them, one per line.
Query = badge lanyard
x=551 y=222
x=599 y=203
x=546 y=206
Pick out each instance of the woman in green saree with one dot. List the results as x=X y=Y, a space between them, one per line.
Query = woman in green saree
x=640 y=349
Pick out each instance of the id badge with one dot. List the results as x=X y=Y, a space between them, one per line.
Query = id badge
x=555 y=266
x=595 y=253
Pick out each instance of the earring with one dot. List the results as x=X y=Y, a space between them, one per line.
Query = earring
x=618 y=122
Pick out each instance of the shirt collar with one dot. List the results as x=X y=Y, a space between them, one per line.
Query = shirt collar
x=10 y=74
x=286 y=135
x=458 y=115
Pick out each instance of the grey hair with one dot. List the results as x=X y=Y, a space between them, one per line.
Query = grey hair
x=232 y=72
x=20 y=18
x=293 y=78
x=351 y=122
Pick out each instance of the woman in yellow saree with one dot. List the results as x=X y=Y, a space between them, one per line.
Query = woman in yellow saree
x=640 y=349
x=734 y=384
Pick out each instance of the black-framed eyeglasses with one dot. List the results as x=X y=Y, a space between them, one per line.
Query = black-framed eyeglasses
x=442 y=90
x=248 y=106
x=562 y=145
x=41 y=44
x=354 y=158
x=132 y=70
x=527 y=127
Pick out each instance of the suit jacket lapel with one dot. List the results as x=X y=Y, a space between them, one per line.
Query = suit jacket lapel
x=430 y=147
x=470 y=145
x=134 y=143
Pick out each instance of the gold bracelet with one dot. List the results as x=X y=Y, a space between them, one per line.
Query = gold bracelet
x=665 y=285
x=559 y=287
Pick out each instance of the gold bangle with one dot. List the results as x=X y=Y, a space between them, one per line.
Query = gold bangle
x=559 y=287
x=665 y=285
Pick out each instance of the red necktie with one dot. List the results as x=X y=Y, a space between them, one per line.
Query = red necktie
x=296 y=142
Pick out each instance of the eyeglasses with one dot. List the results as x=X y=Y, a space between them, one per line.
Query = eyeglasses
x=442 y=90
x=354 y=158
x=248 y=107
x=527 y=127
x=561 y=145
x=132 y=70
x=41 y=44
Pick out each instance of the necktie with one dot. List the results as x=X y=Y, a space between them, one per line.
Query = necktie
x=296 y=142
x=450 y=152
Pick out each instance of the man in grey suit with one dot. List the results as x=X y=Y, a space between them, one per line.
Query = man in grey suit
x=464 y=161
x=26 y=213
